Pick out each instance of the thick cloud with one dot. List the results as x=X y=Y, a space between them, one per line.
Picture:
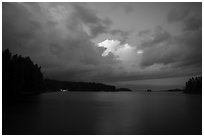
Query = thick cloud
x=192 y=23
x=95 y=24
x=55 y=40
x=59 y=37
x=181 y=51
x=189 y=15
x=19 y=26
x=123 y=35
x=177 y=15
x=127 y=7
x=152 y=38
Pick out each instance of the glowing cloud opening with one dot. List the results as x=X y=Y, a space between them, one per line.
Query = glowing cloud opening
x=139 y=51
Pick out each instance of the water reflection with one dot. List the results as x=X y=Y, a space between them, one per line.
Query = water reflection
x=105 y=113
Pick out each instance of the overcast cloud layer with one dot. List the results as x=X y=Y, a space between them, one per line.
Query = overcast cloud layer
x=107 y=42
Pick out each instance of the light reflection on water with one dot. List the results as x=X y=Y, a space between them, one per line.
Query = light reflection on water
x=106 y=113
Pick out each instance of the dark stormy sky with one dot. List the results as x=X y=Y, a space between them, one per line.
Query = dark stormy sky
x=136 y=45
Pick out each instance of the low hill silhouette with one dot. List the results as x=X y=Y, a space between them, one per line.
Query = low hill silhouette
x=55 y=85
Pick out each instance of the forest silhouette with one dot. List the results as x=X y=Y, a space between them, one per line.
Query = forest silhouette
x=20 y=76
x=194 y=85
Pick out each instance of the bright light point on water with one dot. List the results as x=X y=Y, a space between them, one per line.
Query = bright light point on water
x=139 y=52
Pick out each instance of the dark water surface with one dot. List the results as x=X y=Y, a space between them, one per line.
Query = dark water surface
x=105 y=113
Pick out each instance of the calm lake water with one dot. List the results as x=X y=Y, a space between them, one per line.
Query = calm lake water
x=105 y=113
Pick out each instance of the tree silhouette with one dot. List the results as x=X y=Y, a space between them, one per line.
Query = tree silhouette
x=20 y=75
x=194 y=85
